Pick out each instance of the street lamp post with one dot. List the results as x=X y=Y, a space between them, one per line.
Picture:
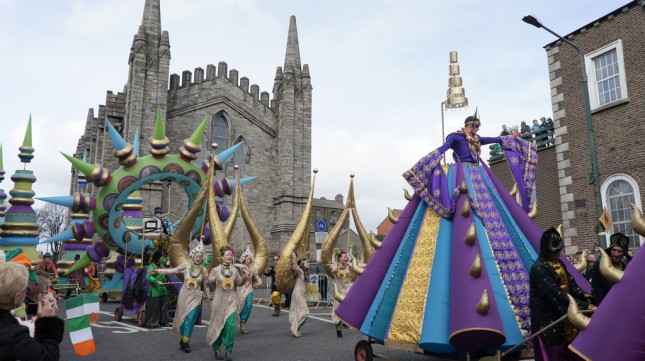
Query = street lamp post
x=531 y=19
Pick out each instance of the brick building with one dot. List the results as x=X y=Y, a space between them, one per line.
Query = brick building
x=276 y=130
x=614 y=55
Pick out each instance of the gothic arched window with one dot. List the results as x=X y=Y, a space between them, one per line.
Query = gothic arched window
x=239 y=157
x=219 y=133
x=618 y=192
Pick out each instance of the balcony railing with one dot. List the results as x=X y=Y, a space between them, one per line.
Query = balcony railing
x=542 y=138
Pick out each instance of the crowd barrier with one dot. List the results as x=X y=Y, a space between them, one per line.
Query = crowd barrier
x=319 y=291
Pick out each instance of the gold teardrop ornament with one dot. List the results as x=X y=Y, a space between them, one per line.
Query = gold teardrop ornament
x=406 y=195
x=465 y=211
x=476 y=266
x=342 y=273
x=471 y=235
x=484 y=304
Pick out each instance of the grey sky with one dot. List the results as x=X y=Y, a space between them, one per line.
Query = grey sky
x=379 y=72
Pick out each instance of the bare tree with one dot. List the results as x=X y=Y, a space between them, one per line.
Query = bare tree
x=52 y=219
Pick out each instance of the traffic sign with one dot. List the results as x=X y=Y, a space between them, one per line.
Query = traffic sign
x=321 y=225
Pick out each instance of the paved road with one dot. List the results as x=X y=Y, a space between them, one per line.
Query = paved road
x=269 y=339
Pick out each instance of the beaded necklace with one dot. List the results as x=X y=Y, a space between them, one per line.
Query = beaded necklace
x=474 y=142
x=227 y=274
x=192 y=272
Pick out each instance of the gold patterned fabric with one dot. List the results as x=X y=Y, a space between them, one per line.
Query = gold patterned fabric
x=405 y=330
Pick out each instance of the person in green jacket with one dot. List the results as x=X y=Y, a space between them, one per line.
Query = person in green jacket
x=154 y=314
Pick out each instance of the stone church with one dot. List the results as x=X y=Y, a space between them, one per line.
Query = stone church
x=276 y=130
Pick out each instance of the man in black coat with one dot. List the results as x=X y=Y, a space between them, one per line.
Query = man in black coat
x=550 y=283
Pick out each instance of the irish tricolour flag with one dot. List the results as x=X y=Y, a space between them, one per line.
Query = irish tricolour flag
x=80 y=310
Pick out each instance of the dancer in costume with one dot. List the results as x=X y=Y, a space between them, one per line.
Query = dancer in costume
x=245 y=292
x=223 y=320
x=458 y=256
x=189 y=302
x=155 y=315
x=343 y=280
x=550 y=286
x=299 y=311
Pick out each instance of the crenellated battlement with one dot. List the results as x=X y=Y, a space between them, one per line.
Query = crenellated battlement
x=213 y=73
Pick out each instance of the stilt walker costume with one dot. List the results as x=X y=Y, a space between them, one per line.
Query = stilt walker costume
x=223 y=320
x=245 y=291
x=452 y=274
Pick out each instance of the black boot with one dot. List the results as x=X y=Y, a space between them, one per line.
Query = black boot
x=228 y=357
x=186 y=347
x=218 y=356
x=339 y=333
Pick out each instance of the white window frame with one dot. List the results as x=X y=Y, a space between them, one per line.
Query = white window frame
x=593 y=82
x=604 y=188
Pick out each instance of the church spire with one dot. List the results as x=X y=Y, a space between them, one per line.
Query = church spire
x=292 y=57
x=152 y=17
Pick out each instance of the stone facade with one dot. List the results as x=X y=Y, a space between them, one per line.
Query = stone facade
x=616 y=125
x=276 y=132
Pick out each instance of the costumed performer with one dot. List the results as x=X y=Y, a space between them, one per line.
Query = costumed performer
x=458 y=256
x=343 y=280
x=189 y=301
x=550 y=285
x=245 y=291
x=48 y=266
x=157 y=291
x=223 y=320
x=617 y=253
x=299 y=311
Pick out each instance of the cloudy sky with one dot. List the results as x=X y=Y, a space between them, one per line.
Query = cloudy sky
x=379 y=71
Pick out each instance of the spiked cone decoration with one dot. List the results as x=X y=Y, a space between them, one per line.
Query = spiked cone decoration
x=20 y=227
x=159 y=142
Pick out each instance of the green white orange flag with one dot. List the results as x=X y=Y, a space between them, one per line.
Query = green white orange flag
x=78 y=323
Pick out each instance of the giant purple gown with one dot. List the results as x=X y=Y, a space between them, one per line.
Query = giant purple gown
x=452 y=274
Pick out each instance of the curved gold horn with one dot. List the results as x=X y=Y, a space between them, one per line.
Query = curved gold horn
x=327 y=249
x=356 y=268
x=638 y=222
x=337 y=295
x=284 y=278
x=182 y=236
x=582 y=264
x=513 y=191
x=218 y=236
x=611 y=273
x=578 y=320
x=406 y=195
x=260 y=247
x=374 y=242
x=368 y=250
x=230 y=225
x=534 y=211
x=391 y=217
x=559 y=229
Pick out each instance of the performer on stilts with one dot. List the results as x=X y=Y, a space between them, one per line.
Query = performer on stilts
x=343 y=280
x=245 y=292
x=299 y=311
x=223 y=320
x=189 y=302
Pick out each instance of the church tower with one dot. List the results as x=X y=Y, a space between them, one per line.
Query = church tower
x=292 y=96
x=147 y=86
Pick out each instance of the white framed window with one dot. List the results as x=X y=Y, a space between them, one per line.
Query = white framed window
x=606 y=73
x=617 y=193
